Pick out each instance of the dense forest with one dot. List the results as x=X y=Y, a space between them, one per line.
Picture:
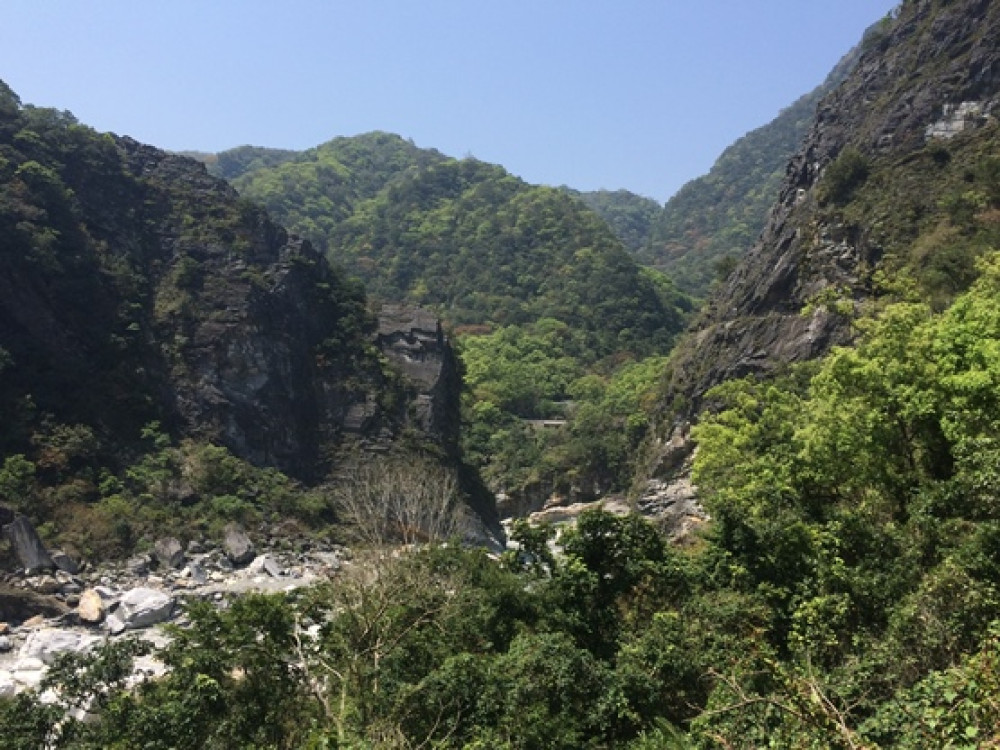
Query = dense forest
x=631 y=217
x=844 y=595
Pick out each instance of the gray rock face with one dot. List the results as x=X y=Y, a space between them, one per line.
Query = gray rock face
x=142 y=607
x=270 y=365
x=413 y=340
x=272 y=567
x=169 y=552
x=30 y=551
x=237 y=545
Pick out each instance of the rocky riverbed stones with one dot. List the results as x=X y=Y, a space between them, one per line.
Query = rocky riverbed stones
x=113 y=600
x=142 y=607
x=237 y=545
x=169 y=553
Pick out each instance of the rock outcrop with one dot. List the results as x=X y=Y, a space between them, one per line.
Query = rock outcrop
x=28 y=548
x=413 y=340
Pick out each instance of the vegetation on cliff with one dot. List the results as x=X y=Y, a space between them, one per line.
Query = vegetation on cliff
x=886 y=200
x=713 y=220
x=699 y=235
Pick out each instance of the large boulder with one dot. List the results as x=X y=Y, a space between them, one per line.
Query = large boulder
x=237 y=545
x=64 y=562
x=45 y=644
x=90 y=610
x=169 y=552
x=28 y=547
x=142 y=607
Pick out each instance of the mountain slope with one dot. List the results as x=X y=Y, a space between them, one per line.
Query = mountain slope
x=136 y=288
x=630 y=216
x=312 y=191
x=720 y=214
x=544 y=300
x=468 y=239
x=893 y=194
x=483 y=247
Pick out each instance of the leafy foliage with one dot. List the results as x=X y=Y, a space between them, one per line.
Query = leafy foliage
x=537 y=417
x=858 y=501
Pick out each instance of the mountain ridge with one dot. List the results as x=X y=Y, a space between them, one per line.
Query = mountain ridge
x=811 y=273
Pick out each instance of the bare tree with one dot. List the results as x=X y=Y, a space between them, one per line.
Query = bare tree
x=367 y=614
x=400 y=499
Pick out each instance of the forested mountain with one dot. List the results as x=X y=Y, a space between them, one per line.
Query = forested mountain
x=843 y=591
x=530 y=280
x=466 y=239
x=237 y=161
x=713 y=220
x=142 y=303
x=312 y=191
x=630 y=216
x=885 y=199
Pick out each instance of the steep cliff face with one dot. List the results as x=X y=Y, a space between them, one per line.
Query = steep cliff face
x=413 y=340
x=904 y=132
x=135 y=286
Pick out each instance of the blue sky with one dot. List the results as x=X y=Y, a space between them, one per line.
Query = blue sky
x=636 y=94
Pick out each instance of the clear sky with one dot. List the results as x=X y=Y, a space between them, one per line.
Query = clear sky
x=636 y=94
